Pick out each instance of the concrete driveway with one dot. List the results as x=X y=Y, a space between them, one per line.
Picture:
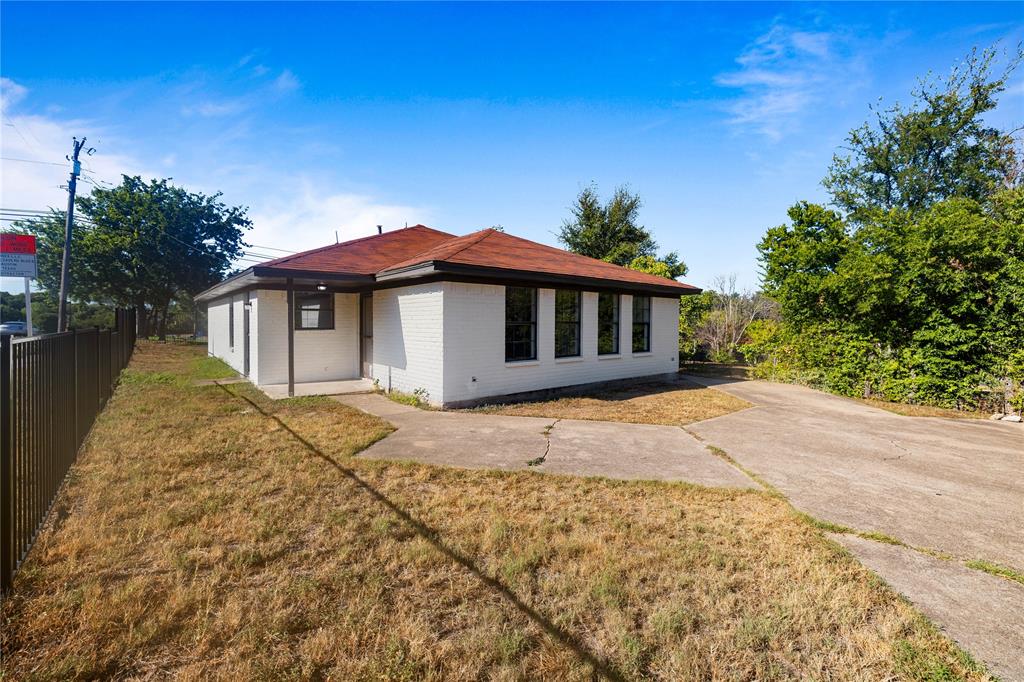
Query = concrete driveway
x=567 y=446
x=955 y=486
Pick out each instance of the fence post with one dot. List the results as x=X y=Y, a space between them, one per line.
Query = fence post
x=6 y=469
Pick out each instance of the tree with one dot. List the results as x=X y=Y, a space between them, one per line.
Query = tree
x=44 y=311
x=607 y=232
x=939 y=148
x=144 y=245
x=670 y=266
x=610 y=232
x=724 y=326
x=925 y=307
x=915 y=291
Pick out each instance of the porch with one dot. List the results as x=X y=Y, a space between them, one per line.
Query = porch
x=310 y=388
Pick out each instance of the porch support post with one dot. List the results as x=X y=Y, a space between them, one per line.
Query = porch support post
x=290 y=292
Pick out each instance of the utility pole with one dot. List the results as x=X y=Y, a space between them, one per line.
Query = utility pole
x=65 y=274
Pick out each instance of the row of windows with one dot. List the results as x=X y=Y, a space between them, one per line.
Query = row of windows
x=521 y=323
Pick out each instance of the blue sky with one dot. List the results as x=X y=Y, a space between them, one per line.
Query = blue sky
x=323 y=117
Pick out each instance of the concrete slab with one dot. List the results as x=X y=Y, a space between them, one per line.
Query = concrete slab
x=310 y=388
x=636 y=451
x=983 y=613
x=948 y=484
x=586 y=448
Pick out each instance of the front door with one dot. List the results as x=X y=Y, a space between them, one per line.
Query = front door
x=366 y=333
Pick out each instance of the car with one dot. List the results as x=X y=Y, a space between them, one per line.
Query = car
x=14 y=328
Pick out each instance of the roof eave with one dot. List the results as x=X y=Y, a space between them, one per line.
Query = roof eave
x=262 y=274
x=327 y=276
x=226 y=286
x=435 y=268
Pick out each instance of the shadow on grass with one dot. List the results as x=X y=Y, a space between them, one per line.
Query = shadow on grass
x=599 y=666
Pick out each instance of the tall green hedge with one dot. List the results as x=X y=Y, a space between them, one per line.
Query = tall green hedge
x=923 y=307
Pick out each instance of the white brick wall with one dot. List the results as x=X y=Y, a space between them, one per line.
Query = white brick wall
x=474 y=344
x=320 y=354
x=217 y=342
x=445 y=337
x=408 y=339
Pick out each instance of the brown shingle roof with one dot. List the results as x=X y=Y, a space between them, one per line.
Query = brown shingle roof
x=493 y=249
x=486 y=252
x=364 y=256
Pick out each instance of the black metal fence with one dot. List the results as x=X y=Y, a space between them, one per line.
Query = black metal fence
x=52 y=387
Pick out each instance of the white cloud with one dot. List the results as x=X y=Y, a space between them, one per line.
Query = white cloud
x=215 y=109
x=286 y=82
x=41 y=144
x=10 y=93
x=786 y=73
x=289 y=211
x=304 y=215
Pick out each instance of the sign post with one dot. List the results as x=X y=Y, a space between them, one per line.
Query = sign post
x=18 y=259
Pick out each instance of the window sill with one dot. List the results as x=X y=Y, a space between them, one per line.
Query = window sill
x=522 y=363
x=643 y=354
x=610 y=356
x=568 y=359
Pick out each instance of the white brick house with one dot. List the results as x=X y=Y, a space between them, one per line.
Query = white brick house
x=459 y=318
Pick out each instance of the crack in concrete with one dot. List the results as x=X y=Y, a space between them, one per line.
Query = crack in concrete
x=537 y=461
x=896 y=445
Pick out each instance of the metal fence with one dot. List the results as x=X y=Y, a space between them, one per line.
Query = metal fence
x=52 y=387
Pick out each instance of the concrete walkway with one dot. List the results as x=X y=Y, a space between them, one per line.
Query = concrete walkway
x=310 y=388
x=955 y=486
x=586 y=448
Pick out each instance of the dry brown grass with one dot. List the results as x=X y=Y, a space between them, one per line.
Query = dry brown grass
x=213 y=533
x=676 y=403
x=921 y=410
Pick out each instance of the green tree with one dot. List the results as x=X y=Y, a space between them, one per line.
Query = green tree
x=669 y=266
x=607 y=231
x=611 y=232
x=925 y=307
x=914 y=289
x=940 y=147
x=144 y=244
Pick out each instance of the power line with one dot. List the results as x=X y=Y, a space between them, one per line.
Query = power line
x=44 y=163
x=271 y=248
x=17 y=130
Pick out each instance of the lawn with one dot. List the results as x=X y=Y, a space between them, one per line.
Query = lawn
x=209 y=532
x=678 y=402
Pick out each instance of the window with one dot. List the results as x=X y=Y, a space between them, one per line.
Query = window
x=231 y=322
x=567 y=323
x=520 y=323
x=641 y=324
x=607 y=324
x=314 y=311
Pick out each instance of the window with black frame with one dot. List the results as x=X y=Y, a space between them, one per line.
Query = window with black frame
x=607 y=324
x=231 y=322
x=520 y=323
x=567 y=323
x=641 y=324
x=314 y=311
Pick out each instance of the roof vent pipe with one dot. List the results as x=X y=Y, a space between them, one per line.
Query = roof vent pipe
x=380 y=229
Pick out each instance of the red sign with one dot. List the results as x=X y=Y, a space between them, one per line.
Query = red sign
x=18 y=243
